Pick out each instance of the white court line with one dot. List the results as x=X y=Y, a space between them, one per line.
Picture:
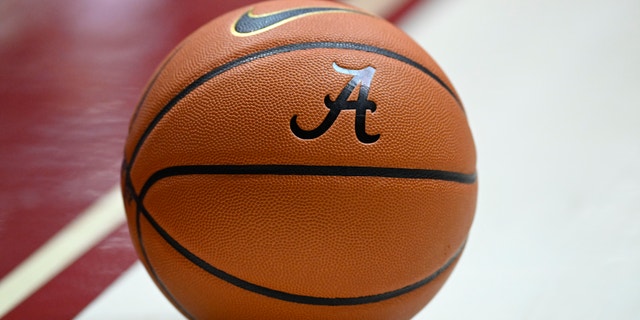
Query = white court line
x=100 y=219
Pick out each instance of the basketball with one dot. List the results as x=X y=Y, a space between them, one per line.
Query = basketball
x=299 y=160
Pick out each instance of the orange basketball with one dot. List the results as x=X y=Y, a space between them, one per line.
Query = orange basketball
x=299 y=160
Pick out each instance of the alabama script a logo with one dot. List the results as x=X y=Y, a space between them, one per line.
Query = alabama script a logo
x=360 y=78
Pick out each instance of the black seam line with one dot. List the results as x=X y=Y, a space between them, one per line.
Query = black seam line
x=277 y=50
x=152 y=271
x=306 y=170
x=151 y=83
x=290 y=297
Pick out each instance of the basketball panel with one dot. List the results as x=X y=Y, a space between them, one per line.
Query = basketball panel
x=207 y=297
x=231 y=120
x=318 y=236
x=213 y=46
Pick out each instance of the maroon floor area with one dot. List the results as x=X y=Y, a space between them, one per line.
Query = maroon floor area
x=75 y=287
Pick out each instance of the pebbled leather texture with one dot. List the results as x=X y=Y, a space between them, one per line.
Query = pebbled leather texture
x=245 y=245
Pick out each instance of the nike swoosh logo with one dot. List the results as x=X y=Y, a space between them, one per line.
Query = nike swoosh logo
x=250 y=24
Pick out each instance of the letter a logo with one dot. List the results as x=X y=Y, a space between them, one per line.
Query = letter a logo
x=360 y=78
